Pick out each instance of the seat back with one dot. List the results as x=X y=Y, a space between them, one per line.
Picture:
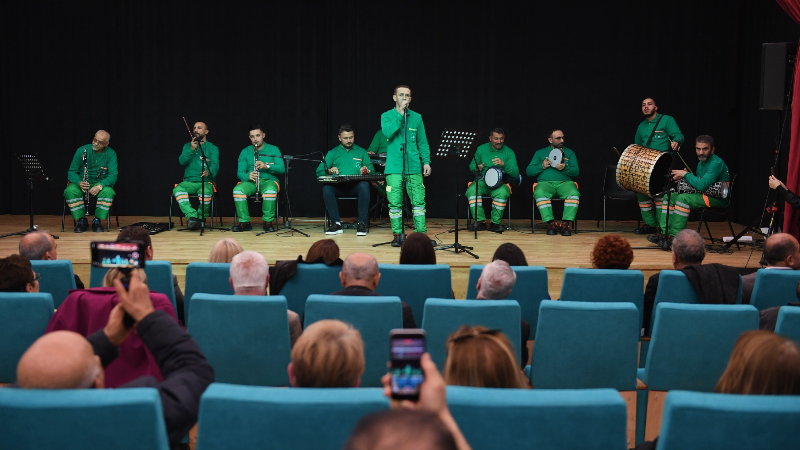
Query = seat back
x=529 y=290
x=373 y=317
x=245 y=338
x=694 y=421
x=443 y=316
x=673 y=287
x=611 y=189
x=310 y=279
x=414 y=283
x=23 y=319
x=206 y=278
x=604 y=285
x=583 y=345
x=128 y=419
x=236 y=417
x=774 y=288
x=57 y=278
x=159 y=278
x=691 y=344
x=789 y=323
x=541 y=419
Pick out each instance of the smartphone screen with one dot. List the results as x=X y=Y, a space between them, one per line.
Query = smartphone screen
x=406 y=349
x=121 y=255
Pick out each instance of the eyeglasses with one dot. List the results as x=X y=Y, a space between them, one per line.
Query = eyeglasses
x=95 y=141
x=493 y=332
x=38 y=277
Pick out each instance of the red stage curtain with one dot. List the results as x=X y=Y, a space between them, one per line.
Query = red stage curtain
x=792 y=7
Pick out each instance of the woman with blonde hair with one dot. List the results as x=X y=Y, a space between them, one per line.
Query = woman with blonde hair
x=224 y=251
x=480 y=357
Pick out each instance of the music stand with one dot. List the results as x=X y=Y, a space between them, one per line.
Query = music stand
x=33 y=170
x=457 y=144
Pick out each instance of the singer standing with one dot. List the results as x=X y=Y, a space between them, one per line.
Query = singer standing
x=193 y=175
x=262 y=163
x=100 y=173
x=416 y=161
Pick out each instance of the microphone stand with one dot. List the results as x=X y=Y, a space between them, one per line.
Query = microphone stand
x=201 y=210
x=287 y=220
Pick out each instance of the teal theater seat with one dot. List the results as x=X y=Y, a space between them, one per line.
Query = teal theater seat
x=604 y=285
x=414 y=283
x=310 y=279
x=774 y=288
x=57 y=278
x=159 y=279
x=206 y=278
x=23 y=319
x=789 y=323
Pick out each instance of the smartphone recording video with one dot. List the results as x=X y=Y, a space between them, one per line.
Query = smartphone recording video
x=120 y=255
x=406 y=348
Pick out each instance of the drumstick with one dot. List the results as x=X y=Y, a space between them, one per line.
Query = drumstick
x=618 y=154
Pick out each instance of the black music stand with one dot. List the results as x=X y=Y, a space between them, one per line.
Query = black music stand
x=287 y=218
x=457 y=144
x=33 y=170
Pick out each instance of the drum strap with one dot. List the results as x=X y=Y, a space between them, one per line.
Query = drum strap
x=653 y=133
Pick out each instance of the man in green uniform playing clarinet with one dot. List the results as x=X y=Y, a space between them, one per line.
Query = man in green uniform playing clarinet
x=195 y=170
x=415 y=161
x=555 y=181
x=710 y=170
x=98 y=164
x=258 y=163
x=492 y=154
x=659 y=132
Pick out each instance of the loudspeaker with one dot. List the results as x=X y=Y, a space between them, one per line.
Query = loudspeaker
x=777 y=69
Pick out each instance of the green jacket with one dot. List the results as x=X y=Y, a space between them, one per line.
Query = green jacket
x=486 y=153
x=191 y=160
x=378 y=144
x=570 y=161
x=266 y=154
x=102 y=166
x=418 y=151
x=708 y=173
x=349 y=162
x=666 y=128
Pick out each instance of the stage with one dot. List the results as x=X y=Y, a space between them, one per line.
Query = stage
x=554 y=252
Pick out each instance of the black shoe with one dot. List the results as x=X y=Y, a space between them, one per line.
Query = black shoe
x=398 y=240
x=335 y=228
x=242 y=226
x=666 y=243
x=552 y=228
x=361 y=229
x=268 y=227
x=496 y=227
x=97 y=227
x=565 y=228
x=192 y=223
x=656 y=238
x=646 y=229
x=82 y=225
x=481 y=226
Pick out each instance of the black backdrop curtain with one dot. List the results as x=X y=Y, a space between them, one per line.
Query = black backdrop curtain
x=303 y=68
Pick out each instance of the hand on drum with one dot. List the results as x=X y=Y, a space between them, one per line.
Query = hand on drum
x=560 y=166
x=426 y=170
x=546 y=163
x=253 y=176
x=498 y=162
x=678 y=174
x=774 y=183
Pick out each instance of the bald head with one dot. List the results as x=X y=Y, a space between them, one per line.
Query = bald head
x=38 y=245
x=360 y=269
x=60 y=360
x=782 y=250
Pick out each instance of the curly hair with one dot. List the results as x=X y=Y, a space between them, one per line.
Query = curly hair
x=612 y=252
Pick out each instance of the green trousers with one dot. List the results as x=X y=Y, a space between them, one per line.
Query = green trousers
x=567 y=190
x=186 y=188
x=499 y=195
x=650 y=209
x=269 y=198
x=74 y=196
x=416 y=192
x=380 y=188
x=680 y=205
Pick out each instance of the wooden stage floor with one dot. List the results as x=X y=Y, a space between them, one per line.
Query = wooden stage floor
x=554 y=252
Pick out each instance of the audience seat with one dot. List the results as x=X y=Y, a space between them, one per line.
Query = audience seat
x=310 y=279
x=604 y=285
x=414 y=283
x=240 y=417
x=373 y=317
x=789 y=323
x=57 y=278
x=23 y=319
x=159 y=278
x=206 y=278
x=245 y=338
x=774 y=288
x=123 y=419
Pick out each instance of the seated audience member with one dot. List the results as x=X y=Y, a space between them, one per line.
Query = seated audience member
x=41 y=246
x=250 y=276
x=16 y=275
x=612 y=252
x=360 y=276
x=329 y=354
x=88 y=310
x=511 y=254
x=417 y=249
x=224 y=251
x=480 y=357
x=67 y=360
x=781 y=252
x=496 y=282
x=324 y=251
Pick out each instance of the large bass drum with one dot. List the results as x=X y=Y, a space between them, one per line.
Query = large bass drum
x=641 y=169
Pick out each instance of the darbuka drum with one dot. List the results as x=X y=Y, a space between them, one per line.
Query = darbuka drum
x=719 y=189
x=641 y=169
x=493 y=177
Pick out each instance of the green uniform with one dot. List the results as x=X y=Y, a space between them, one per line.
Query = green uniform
x=553 y=182
x=349 y=162
x=268 y=180
x=192 y=178
x=102 y=167
x=680 y=205
x=667 y=129
x=484 y=155
x=418 y=153
x=378 y=146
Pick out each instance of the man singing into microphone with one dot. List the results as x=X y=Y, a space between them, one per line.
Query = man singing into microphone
x=100 y=171
x=195 y=170
x=414 y=160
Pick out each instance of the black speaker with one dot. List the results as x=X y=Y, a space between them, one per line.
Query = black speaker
x=777 y=68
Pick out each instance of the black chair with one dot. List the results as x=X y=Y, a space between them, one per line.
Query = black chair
x=613 y=191
x=535 y=210
x=722 y=210
x=93 y=199
x=197 y=197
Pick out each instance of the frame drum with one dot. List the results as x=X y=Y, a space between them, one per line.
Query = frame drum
x=641 y=169
x=493 y=177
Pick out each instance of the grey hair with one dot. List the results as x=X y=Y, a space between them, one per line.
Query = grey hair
x=106 y=132
x=35 y=250
x=497 y=280
x=689 y=247
x=364 y=272
x=249 y=271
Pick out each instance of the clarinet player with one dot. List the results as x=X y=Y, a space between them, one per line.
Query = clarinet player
x=93 y=171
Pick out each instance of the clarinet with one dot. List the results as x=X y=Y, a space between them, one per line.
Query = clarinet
x=258 y=174
x=86 y=180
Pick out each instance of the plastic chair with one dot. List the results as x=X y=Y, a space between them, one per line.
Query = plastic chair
x=310 y=279
x=414 y=283
x=206 y=278
x=613 y=191
x=723 y=210
x=237 y=417
x=127 y=419
x=443 y=316
x=327 y=219
x=23 y=319
x=540 y=419
x=774 y=288
x=159 y=278
x=488 y=197
x=604 y=285
x=212 y=207
x=245 y=338
x=789 y=322
x=373 y=317
x=57 y=278
x=695 y=421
